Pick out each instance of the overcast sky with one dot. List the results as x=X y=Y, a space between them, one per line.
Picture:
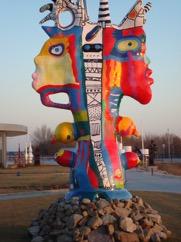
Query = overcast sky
x=21 y=40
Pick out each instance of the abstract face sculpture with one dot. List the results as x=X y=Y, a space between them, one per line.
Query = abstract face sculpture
x=96 y=65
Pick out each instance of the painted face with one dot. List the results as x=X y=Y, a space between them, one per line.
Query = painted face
x=57 y=68
x=126 y=64
x=53 y=64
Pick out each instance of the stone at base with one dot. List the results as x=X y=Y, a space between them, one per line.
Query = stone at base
x=99 y=235
x=97 y=220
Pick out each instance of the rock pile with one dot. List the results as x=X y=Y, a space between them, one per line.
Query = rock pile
x=98 y=221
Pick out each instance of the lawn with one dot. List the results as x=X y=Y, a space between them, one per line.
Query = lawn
x=35 y=169
x=169 y=208
x=48 y=177
x=171 y=168
x=16 y=215
x=33 y=178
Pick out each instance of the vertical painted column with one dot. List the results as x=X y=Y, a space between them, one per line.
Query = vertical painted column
x=92 y=52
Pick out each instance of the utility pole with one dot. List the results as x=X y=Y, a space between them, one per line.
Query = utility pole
x=163 y=147
x=143 y=147
x=169 y=150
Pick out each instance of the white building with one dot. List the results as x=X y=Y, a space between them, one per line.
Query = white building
x=9 y=130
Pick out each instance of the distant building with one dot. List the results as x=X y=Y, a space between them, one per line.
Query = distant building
x=9 y=130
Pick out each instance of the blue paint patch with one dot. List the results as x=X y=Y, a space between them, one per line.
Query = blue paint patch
x=124 y=58
x=93 y=195
x=124 y=161
x=53 y=31
x=114 y=101
x=93 y=33
x=80 y=171
x=107 y=162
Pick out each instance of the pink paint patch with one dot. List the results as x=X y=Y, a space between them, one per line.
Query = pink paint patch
x=35 y=80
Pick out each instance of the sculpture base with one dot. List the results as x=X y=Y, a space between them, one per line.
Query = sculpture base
x=99 y=220
x=120 y=194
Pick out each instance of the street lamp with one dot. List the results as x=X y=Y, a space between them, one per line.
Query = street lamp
x=163 y=146
x=169 y=148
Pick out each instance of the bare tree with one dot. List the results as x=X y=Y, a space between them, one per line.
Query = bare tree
x=42 y=135
x=42 y=141
x=161 y=142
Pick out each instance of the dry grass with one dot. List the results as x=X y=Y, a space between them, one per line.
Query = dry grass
x=174 y=168
x=16 y=215
x=33 y=178
x=35 y=169
x=49 y=177
x=169 y=208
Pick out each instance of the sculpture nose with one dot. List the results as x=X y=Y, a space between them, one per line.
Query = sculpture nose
x=36 y=60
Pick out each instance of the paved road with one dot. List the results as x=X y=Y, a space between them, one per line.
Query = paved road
x=137 y=180
x=32 y=194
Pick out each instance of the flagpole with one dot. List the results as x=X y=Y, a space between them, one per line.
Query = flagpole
x=143 y=145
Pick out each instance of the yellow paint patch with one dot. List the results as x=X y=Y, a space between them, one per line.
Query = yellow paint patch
x=81 y=116
x=112 y=74
x=128 y=45
x=54 y=41
x=86 y=137
x=59 y=153
x=51 y=69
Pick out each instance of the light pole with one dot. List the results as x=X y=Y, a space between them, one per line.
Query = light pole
x=143 y=149
x=168 y=139
x=163 y=146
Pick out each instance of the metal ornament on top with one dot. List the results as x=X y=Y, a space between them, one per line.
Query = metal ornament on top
x=96 y=65
x=77 y=11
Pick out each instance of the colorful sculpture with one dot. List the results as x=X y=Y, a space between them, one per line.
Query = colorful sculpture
x=95 y=64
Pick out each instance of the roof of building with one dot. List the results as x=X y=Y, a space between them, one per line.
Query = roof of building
x=13 y=129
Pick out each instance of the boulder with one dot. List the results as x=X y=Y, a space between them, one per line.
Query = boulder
x=110 y=229
x=86 y=201
x=155 y=238
x=102 y=203
x=127 y=237
x=64 y=238
x=108 y=219
x=122 y=212
x=85 y=231
x=38 y=239
x=127 y=225
x=155 y=218
x=99 y=235
x=33 y=230
x=94 y=222
x=75 y=219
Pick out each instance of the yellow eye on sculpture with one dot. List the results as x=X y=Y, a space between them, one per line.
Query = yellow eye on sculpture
x=128 y=45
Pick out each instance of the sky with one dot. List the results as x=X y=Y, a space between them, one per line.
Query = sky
x=22 y=39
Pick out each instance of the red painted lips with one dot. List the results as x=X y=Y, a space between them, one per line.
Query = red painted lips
x=148 y=74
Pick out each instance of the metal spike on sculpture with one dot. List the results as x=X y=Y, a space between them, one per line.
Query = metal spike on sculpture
x=96 y=65
x=77 y=10
x=136 y=16
x=104 y=13
x=147 y=7
x=83 y=6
